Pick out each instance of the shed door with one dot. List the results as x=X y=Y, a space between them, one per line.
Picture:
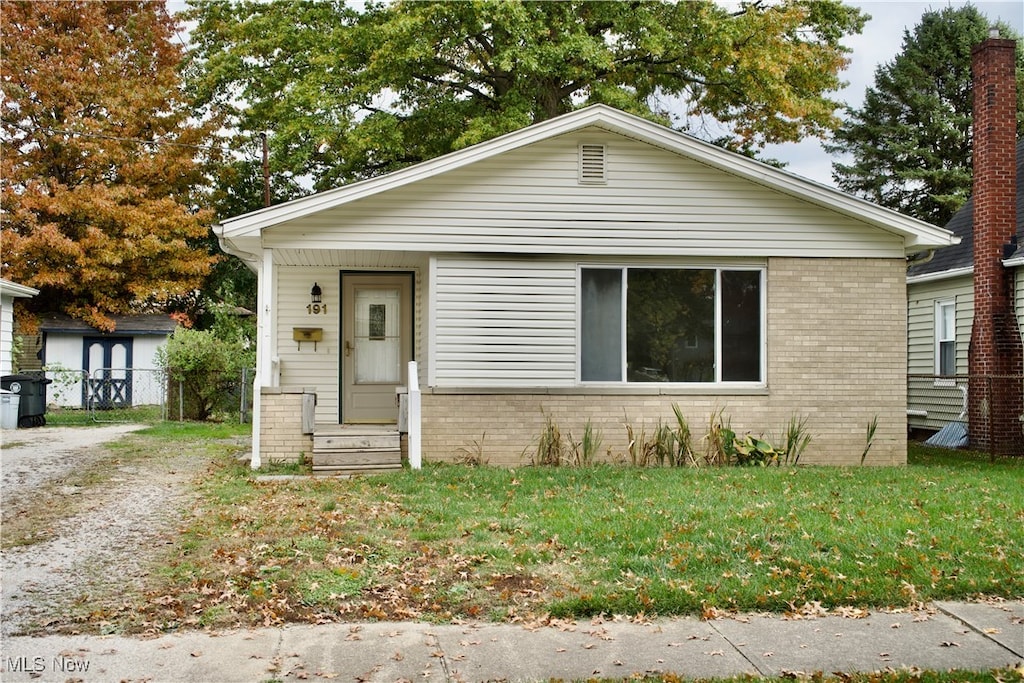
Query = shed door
x=377 y=344
x=108 y=362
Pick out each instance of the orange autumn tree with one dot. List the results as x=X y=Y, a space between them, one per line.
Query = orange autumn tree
x=101 y=161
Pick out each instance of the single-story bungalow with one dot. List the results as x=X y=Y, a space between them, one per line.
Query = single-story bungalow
x=595 y=267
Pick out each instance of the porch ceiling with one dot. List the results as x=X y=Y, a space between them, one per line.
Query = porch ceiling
x=347 y=258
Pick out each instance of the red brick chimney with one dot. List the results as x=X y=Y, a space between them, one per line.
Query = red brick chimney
x=995 y=358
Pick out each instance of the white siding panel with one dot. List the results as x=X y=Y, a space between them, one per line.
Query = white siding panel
x=505 y=323
x=64 y=353
x=6 y=333
x=529 y=201
x=1018 y=274
x=303 y=365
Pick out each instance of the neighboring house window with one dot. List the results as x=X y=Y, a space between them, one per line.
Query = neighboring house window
x=671 y=325
x=945 y=338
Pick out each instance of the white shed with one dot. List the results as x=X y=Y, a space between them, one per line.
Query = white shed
x=122 y=362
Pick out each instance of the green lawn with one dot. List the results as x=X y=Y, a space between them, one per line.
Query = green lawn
x=460 y=542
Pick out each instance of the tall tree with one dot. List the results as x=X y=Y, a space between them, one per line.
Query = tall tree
x=100 y=170
x=346 y=94
x=910 y=142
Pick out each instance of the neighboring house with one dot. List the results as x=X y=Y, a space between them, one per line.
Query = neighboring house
x=940 y=294
x=121 y=364
x=9 y=291
x=595 y=267
x=987 y=266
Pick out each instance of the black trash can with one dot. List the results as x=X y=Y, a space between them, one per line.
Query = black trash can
x=32 y=390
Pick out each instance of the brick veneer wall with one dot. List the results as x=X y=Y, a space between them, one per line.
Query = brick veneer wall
x=837 y=344
x=281 y=437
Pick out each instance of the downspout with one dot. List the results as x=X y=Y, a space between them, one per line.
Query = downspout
x=919 y=260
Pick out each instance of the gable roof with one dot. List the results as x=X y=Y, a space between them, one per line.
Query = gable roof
x=958 y=259
x=148 y=324
x=242 y=232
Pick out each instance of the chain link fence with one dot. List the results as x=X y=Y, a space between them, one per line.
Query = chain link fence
x=125 y=395
x=982 y=412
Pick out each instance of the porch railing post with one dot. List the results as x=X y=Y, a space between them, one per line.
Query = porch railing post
x=415 y=457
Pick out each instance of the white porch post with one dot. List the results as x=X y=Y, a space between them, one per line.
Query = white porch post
x=415 y=457
x=266 y=370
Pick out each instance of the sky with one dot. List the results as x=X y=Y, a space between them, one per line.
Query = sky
x=880 y=42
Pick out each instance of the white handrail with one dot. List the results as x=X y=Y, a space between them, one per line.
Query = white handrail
x=415 y=457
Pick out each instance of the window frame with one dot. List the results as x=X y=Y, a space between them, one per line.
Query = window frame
x=717 y=267
x=938 y=338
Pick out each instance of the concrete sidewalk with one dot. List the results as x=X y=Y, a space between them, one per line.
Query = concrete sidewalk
x=973 y=637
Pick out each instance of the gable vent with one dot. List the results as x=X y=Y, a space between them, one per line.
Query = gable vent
x=592 y=164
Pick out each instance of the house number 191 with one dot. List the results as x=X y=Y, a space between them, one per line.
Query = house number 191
x=316 y=309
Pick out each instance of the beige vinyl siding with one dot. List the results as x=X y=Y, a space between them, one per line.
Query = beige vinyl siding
x=304 y=366
x=503 y=322
x=529 y=200
x=941 y=400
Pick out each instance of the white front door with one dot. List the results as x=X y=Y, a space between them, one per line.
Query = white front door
x=376 y=345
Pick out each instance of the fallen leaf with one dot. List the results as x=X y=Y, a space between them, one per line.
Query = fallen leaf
x=561 y=649
x=949 y=643
x=768 y=654
x=196 y=654
x=896 y=625
x=992 y=631
x=617 y=662
x=588 y=646
x=716 y=653
x=398 y=656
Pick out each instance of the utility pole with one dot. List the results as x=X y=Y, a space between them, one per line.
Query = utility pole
x=266 y=171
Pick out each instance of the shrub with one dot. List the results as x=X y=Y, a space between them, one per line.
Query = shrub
x=207 y=367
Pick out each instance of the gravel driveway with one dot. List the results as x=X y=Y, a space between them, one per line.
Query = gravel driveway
x=106 y=546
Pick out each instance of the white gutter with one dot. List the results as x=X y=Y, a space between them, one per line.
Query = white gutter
x=941 y=275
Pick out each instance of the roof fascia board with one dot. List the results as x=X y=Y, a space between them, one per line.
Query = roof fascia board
x=940 y=275
x=13 y=289
x=917 y=235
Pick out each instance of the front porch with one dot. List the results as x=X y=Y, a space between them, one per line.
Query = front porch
x=285 y=429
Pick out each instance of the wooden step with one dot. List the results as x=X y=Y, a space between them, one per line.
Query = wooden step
x=339 y=471
x=346 y=442
x=391 y=456
x=356 y=449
